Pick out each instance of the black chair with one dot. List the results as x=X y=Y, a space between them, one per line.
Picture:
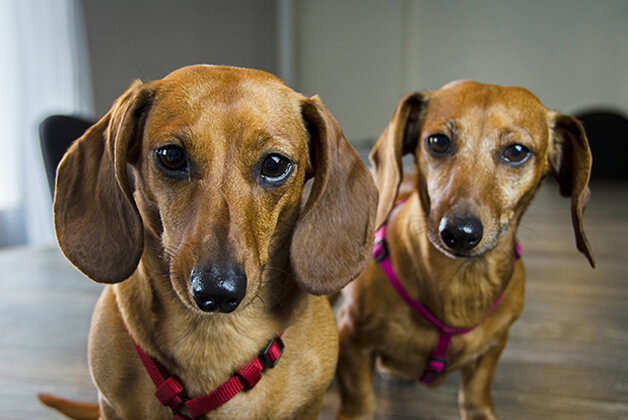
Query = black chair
x=607 y=131
x=56 y=134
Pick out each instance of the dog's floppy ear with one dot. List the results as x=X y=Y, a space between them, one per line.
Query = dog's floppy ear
x=333 y=237
x=97 y=223
x=570 y=159
x=398 y=139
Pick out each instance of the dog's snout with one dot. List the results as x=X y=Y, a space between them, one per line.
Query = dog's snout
x=461 y=234
x=218 y=289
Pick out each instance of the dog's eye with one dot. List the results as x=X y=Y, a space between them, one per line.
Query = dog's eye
x=515 y=154
x=171 y=159
x=275 y=169
x=440 y=145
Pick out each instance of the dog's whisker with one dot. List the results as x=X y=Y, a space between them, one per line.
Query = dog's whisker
x=261 y=300
x=281 y=270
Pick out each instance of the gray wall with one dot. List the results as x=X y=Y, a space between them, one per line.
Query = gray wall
x=361 y=55
x=147 y=39
x=350 y=53
x=571 y=53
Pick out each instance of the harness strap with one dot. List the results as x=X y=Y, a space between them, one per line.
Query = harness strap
x=170 y=390
x=380 y=254
x=437 y=362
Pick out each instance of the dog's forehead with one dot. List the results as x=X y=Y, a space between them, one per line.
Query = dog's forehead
x=218 y=98
x=488 y=106
x=195 y=87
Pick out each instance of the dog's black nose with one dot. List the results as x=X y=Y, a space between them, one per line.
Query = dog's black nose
x=461 y=233
x=219 y=288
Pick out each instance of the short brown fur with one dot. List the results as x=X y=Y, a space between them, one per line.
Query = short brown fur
x=377 y=329
x=144 y=233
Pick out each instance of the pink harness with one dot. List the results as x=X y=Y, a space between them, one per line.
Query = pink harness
x=436 y=366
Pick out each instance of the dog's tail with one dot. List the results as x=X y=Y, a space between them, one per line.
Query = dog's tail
x=72 y=409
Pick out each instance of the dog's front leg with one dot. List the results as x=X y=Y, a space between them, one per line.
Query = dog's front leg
x=355 y=372
x=474 y=398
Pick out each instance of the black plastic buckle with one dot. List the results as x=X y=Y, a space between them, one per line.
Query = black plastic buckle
x=265 y=357
x=178 y=414
x=432 y=373
x=380 y=251
x=439 y=360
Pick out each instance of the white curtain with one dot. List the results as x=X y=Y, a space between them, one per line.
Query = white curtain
x=44 y=70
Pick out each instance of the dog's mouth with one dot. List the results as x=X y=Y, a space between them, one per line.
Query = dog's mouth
x=452 y=253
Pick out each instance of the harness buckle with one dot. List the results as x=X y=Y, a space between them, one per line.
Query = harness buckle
x=271 y=354
x=168 y=393
x=380 y=251
x=434 y=370
x=179 y=415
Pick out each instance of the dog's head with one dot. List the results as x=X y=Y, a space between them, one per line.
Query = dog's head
x=212 y=162
x=480 y=153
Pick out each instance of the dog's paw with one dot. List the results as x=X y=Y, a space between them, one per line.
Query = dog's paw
x=364 y=411
x=478 y=413
x=364 y=417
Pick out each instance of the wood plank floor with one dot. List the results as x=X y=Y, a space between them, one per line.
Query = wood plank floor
x=567 y=357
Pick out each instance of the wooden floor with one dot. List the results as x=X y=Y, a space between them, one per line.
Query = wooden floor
x=567 y=357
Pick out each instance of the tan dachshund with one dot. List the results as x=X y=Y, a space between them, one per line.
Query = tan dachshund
x=480 y=153
x=188 y=200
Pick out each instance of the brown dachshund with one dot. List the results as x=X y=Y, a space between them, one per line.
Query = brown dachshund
x=188 y=200
x=480 y=153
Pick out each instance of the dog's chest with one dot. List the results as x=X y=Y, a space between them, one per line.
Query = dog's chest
x=410 y=358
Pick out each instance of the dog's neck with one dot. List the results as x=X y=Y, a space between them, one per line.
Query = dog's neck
x=224 y=340
x=458 y=291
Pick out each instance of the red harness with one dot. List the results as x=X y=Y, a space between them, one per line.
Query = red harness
x=170 y=391
x=436 y=365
